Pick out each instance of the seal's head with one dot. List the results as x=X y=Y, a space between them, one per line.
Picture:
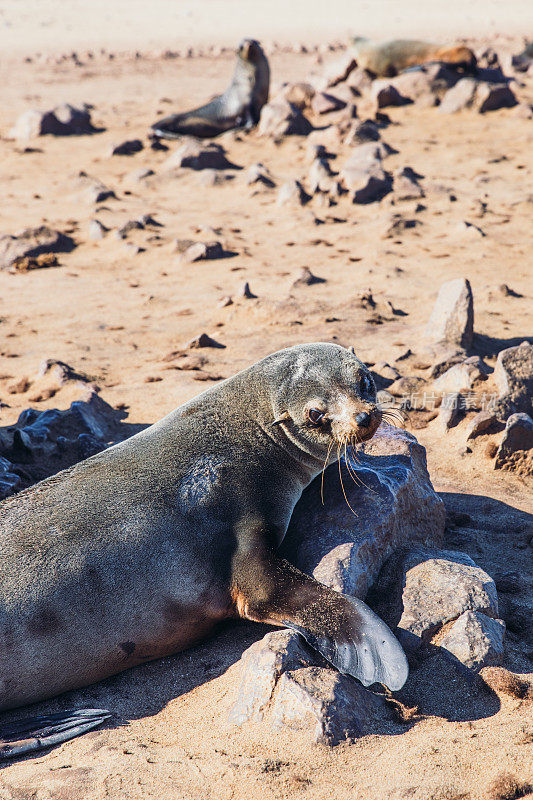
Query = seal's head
x=326 y=398
x=250 y=50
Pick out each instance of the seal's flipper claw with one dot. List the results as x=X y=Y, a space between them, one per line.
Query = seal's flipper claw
x=37 y=733
x=362 y=646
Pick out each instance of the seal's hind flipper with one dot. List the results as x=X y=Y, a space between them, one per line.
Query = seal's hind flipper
x=362 y=646
x=36 y=733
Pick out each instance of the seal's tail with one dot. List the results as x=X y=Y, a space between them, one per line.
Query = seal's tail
x=36 y=733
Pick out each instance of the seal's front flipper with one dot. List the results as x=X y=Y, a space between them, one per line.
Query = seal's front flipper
x=343 y=629
x=359 y=644
x=36 y=733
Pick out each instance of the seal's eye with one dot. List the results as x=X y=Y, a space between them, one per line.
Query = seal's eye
x=315 y=416
x=365 y=384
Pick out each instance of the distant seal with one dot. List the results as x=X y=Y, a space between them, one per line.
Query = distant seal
x=139 y=551
x=390 y=58
x=239 y=106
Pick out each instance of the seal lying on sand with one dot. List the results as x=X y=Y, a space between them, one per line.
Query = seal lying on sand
x=389 y=58
x=239 y=106
x=139 y=551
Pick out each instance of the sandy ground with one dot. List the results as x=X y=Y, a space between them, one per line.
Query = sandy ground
x=120 y=316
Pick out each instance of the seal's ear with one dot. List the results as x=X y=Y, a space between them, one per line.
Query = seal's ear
x=283 y=418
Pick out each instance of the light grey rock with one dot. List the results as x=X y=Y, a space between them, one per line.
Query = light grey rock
x=366 y=185
x=462 y=377
x=325 y=103
x=513 y=375
x=475 y=639
x=292 y=193
x=427 y=84
x=481 y=96
x=450 y=410
x=452 y=319
x=422 y=589
x=97 y=230
x=259 y=174
x=320 y=176
x=280 y=118
x=459 y=97
x=325 y=706
x=31 y=243
x=262 y=666
x=92 y=189
x=337 y=71
x=481 y=422
x=516 y=442
x=190 y=251
x=406 y=185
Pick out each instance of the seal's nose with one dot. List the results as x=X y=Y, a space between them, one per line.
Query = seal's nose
x=363 y=419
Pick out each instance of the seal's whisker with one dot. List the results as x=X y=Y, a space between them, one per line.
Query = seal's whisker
x=342 y=483
x=323 y=471
x=348 y=463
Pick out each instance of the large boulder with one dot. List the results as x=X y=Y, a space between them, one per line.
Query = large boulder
x=481 y=96
x=452 y=320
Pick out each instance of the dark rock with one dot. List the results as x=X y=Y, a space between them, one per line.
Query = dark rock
x=513 y=375
x=406 y=185
x=362 y=133
x=191 y=251
x=480 y=423
x=452 y=318
x=306 y=278
x=92 y=189
x=396 y=505
x=514 y=452
x=205 y=341
x=280 y=118
x=247 y=293
x=127 y=148
x=492 y=97
x=43 y=442
x=10 y=482
x=292 y=193
x=385 y=94
x=397 y=225
x=31 y=243
x=324 y=103
x=197 y=156
x=483 y=97
x=64 y=120
x=450 y=410
x=258 y=173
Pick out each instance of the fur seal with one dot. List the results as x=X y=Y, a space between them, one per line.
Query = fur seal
x=389 y=58
x=239 y=106
x=139 y=551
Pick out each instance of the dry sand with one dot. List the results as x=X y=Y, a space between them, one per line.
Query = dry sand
x=117 y=316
